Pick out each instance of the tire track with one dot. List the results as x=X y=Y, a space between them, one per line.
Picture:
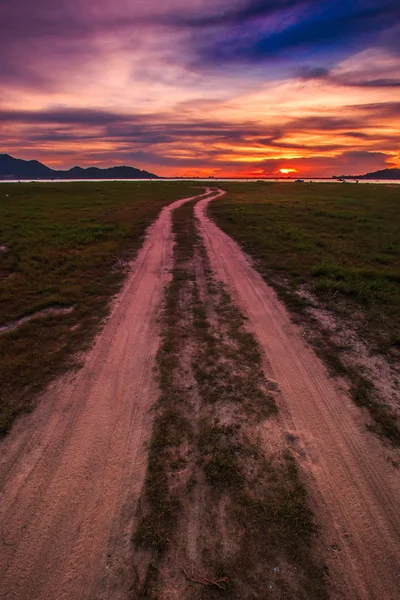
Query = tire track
x=356 y=489
x=68 y=470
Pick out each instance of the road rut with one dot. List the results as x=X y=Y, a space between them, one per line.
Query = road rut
x=67 y=470
x=356 y=489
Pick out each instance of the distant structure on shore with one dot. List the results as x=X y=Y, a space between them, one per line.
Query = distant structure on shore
x=16 y=168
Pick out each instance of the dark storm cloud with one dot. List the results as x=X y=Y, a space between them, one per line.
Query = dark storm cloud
x=239 y=13
x=39 y=40
x=384 y=110
x=127 y=125
x=122 y=130
x=380 y=83
x=76 y=116
x=227 y=32
x=309 y=73
x=324 y=123
x=360 y=135
x=345 y=163
x=323 y=27
x=69 y=124
x=24 y=20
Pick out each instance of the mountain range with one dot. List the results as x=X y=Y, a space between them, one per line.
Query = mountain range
x=16 y=168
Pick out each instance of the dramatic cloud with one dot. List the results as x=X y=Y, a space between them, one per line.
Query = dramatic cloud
x=347 y=163
x=222 y=86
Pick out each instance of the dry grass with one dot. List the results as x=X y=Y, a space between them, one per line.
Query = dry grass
x=213 y=397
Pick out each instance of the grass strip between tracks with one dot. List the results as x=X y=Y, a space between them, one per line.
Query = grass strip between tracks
x=207 y=470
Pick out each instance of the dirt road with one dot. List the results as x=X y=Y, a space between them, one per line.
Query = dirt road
x=68 y=471
x=71 y=472
x=356 y=489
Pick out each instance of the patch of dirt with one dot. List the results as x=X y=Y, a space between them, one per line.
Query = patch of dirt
x=383 y=376
x=355 y=486
x=72 y=471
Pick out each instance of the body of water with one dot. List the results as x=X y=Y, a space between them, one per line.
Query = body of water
x=206 y=180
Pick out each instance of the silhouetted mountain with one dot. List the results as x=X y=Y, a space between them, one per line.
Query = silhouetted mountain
x=383 y=174
x=15 y=168
x=122 y=172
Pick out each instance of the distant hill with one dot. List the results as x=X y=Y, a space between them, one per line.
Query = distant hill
x=15 y=168
x=383 y=174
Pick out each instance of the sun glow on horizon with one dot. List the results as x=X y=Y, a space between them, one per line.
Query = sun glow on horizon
x=215 y=91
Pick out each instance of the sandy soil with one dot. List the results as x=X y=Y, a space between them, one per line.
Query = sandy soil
x=69 y=471
x=355 y=487
x=353 y=350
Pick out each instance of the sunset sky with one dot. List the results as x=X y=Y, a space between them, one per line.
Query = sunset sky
x=206 y=87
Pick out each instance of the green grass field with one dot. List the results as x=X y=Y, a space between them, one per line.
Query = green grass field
x=342 y=242
x=62 y=246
